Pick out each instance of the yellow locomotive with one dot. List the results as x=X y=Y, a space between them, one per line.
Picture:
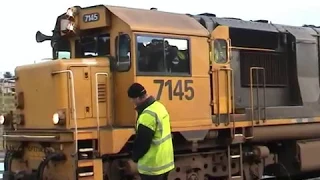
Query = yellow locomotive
x=243 y=96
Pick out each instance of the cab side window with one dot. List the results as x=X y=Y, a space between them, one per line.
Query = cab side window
x=220 y=51
x=123 y=52
x=160 y=55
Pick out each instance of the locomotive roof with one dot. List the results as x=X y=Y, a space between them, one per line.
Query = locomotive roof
x=307 y=33
x=158 y=21
x=200 y=25
x=211 y=21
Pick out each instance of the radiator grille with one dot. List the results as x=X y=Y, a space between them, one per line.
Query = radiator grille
x=101 y=93
x=275 y=65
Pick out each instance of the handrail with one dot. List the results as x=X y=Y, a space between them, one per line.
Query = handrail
x=253 y=49
x=230 y=94
x=218 y=98
x=231 y=84
x=97 y=108
x=74 y=114
x=258 y=99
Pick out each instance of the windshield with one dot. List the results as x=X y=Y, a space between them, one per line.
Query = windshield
x=61 y=49
x=85 y=46
x=93 y=46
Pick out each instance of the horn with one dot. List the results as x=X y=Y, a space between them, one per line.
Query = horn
x=41 y=37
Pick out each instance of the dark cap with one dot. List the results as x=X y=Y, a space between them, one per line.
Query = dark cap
x=136 y=90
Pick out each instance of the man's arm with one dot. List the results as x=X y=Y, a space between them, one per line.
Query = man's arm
x=142 y=142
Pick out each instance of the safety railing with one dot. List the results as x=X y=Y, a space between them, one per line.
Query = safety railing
x=257 y=85
x=74 y=114
x=98 y=108
x=230 y=95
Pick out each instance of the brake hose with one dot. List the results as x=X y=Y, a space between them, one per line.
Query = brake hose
x=45 y=161
x=8 y=160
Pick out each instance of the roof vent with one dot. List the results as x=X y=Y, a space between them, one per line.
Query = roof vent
x=262 y=21
x=207 y=14
x=310 y=25
x=232 y=18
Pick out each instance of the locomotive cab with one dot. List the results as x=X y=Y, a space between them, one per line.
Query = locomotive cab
x=65 y=104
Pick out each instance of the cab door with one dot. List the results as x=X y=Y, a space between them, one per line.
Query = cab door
x=221 y=75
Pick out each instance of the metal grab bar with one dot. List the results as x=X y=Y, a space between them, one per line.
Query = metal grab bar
x=230 y=97
x=258 y=99
x=74 y=112
x=97 y=108
x=18 y=136
x=74 y=115
x=230 y=94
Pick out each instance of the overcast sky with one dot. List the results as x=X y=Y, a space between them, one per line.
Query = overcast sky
x=21 y=19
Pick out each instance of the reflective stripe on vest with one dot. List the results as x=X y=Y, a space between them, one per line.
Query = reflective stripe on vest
x=159 y=126
x=151 y=169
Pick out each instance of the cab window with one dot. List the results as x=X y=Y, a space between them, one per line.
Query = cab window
x=64 y=55
x=61 y=49
x=92 y=46
x=123 y=52
x=220 y=51
x=158 y=55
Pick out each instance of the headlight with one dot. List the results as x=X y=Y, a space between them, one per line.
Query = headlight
x=69 y=12
x=55 y=118
x=59 y=118
x=71 y=26
x=72 y=12
x=2 y=119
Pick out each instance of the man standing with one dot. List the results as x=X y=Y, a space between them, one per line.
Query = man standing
x=152 y=148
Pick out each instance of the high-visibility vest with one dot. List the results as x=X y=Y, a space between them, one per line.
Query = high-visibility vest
x=216 y=55
x=181 y=55
x=160 y=158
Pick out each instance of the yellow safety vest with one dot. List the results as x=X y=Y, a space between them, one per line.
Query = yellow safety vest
x=216 y=56
x=159 y=159
x=181 y=55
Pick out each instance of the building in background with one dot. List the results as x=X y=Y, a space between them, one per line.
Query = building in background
x=7 y=86
x=7 y=83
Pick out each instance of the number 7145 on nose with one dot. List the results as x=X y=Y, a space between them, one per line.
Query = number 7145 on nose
x=183 y=89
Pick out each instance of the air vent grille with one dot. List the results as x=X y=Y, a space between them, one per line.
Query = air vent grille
x=101 y=93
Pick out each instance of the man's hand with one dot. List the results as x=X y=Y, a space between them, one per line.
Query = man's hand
x=131 y=167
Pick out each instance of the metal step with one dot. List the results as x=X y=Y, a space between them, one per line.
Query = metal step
x=82 y=150
x=235 y=156
x=86 y=174
x=238 y=138
x=90 y=169
x=236 y=177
